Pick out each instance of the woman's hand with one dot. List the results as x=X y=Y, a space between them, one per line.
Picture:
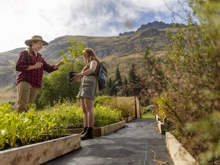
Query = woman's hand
x=76 y=78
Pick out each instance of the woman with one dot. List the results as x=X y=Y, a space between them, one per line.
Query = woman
x=87 y=92
x=31 y=64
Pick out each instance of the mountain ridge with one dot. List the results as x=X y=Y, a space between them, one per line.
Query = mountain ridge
x=155 y=25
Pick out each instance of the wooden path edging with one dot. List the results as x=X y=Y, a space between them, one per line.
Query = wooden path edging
x=100 y=131
x=178 y=153
x=39 y=153
x=129 y=119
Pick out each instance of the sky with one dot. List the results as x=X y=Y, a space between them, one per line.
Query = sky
x=21 y=19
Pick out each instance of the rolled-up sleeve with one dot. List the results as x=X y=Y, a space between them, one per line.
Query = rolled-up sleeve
x=21 y=64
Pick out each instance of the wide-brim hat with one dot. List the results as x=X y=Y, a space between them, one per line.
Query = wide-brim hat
x=35 y=38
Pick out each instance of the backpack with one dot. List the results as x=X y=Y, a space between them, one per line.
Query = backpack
x=102 y=76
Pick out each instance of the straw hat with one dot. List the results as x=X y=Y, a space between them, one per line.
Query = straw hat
x=35 y=38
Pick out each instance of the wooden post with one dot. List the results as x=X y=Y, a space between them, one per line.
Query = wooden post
x=137 y=108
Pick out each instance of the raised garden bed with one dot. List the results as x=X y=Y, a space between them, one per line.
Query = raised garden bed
x=177 y=152
x=39 y=153
x=100 y=131
x=129 y=119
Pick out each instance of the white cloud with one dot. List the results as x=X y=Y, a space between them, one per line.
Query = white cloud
x=20 y=19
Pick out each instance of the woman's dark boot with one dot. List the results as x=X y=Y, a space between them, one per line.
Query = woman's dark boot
x=84 y=130
x=88 y=134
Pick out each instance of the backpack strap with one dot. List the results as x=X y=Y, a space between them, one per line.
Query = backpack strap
x=96 y=75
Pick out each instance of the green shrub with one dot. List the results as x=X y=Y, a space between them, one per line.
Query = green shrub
x=25 y=128
x=209 y=138
x=106 y=116
x=192 y=77
x=73 y=115
x=125 y=105
x=70 y=113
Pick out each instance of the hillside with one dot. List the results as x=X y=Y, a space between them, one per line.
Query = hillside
x=116 y=51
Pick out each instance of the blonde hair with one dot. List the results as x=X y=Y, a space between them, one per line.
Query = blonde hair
x=90 y=55
x=29 y=49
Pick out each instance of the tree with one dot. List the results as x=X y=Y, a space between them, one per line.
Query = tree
x=125 y=84
x=132 y=77
x=134 y=81
x=56 y=88
x=152 y=79
x=118 y=77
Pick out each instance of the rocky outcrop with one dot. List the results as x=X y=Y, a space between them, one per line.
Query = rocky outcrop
x=156 y=24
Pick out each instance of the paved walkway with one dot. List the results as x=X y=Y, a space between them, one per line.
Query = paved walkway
x=139 y=143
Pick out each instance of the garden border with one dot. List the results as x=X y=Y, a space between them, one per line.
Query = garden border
x=177 y=152
x=100 y=131
x=129 y=119
x=42 y=152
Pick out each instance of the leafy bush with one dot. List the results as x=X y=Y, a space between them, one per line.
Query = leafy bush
x=209 y=139
x=21 y=129
x=106 y=116
x=125 y=105
x=26 y=128
x=192 y=77
x=56 y=88
x=73 y=115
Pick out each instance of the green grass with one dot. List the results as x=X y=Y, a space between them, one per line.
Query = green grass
x=148 y=116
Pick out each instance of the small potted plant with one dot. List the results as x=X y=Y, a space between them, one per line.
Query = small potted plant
x=74 y=52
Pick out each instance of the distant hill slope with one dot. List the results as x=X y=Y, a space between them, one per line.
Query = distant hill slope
x=114 y=47
x=153 y=38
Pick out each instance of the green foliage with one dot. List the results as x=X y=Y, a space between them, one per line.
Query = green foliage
x=21 y=129
x=161 y=103
x=132 y=77
x=203 y=127
x=125 y=105
x=104 y=100
x=114 y=85
x=75 y=50
x=106 y=116
x=71 y=113
x=192 y=79
x=26 y=128
x=152 y=79
x=56 y=88
x=118 y=77
x=132 y=88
